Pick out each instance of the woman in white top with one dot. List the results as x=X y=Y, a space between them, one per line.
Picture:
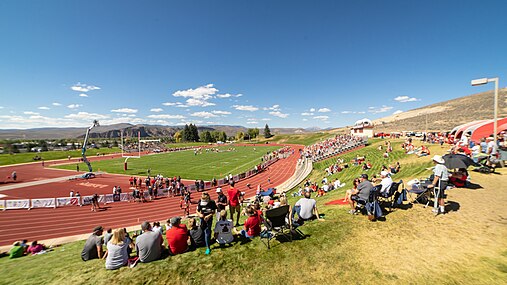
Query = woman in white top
x=223 y=229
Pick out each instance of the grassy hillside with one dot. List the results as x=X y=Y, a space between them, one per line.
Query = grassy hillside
x=445 y=115
x=7 y=159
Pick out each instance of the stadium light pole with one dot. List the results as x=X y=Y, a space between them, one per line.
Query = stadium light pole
x=483 y=81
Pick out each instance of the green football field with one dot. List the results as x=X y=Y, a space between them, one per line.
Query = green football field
x=205 y=165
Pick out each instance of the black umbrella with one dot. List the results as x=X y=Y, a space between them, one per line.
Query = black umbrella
x=455 y=161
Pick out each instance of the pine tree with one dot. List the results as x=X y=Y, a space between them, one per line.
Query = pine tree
x=267 y=132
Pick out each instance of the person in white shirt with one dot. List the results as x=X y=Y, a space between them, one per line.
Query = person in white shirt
x=386 y=182
x=223 y=230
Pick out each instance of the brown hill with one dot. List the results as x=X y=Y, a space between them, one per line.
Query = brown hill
x=446 y=115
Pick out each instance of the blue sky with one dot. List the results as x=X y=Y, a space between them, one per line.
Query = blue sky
x=285 y=63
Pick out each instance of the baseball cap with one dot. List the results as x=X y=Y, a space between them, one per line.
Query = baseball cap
x=365 y=176
x=219 y=190
x=98 y=229
x=384 y=173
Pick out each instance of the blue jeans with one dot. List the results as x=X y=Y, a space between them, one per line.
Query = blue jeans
x=295 y=210
x=206 y=227
x=245 y=234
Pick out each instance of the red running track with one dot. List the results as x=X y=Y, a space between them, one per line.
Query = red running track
x=40 y=224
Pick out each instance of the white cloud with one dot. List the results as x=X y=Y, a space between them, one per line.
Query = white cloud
x=86 y=116
x=203 y=114
x=169 y=104
x=56 y=104
x=312 y=109
x=43 y=108
x=252 y=122
x=83 y=95
x=305 y=119
x=321 y=117
x=266 y=119
x=156 y=110
x=227 y=95
x=165 y=116
x=324 y=110
x=199 y=102
x=397 y=112
x=245 y=108
x=1 y=107
x=30 y=113
x=83 y=87
x=124 y=110
x=403 y=99
x=181 y=106
x=73 y=106
x=272 y=108
x=376 y=110
x=221 y=112
x=306 y=114
x=278 y=114
x=201 y=92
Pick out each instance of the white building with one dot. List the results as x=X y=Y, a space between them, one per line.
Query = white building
x=363 y=127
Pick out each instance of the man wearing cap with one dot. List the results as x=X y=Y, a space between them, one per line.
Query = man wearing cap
x=148 y=244
x=221 y=202
x=93 y=245
x=177 y=236
x=362 y=193
x=441 y=176
x=386 y=181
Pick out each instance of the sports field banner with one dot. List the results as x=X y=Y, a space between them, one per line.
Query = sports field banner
x=108 y=198
x=17 y=204
x=67 y=201
x=124 y=197
x=87 y=200
x=44 y=203
x=2 y=205
x=207 y=185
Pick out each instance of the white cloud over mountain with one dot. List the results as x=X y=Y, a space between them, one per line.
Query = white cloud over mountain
x=125 y=110
x=79 y=87
x=403 y=99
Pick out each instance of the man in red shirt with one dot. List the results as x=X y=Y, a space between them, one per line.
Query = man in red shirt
x=177 y=237
x=252 y=224
x=234 y=203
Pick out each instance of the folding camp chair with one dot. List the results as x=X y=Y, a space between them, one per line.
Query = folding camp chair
x=391 y=195
x=277 y=223
x=371 y=207
x=423 y=194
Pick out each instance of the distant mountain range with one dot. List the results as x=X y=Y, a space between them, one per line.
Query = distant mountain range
x=129 y=130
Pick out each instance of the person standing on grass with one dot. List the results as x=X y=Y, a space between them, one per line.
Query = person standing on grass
x=206 y=209
x=234 y=203
x=441 y=177
x=93 y=245
x=221 y=202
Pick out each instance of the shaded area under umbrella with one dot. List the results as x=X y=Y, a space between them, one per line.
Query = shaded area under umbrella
x=455 y=161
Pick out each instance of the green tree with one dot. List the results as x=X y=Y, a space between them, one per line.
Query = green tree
x=178 y=136
x=223 y=136
x=267 y=132
x=239 y=136
x=194 y=133
x=206 y=137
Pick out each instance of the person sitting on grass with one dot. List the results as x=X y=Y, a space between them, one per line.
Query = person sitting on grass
x=177 y=237
x=306 y=208
x=361 y=194
x=196 y=234
x=149 y=244
x=224 y=230
x=348 y=194
x=35 y=248
x=117 y=250
x=459 y=178
x=93 y=245
x=386 y=182
x=17 y=250
x=252 y=227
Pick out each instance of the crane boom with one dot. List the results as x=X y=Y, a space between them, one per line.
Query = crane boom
x=83 y=149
